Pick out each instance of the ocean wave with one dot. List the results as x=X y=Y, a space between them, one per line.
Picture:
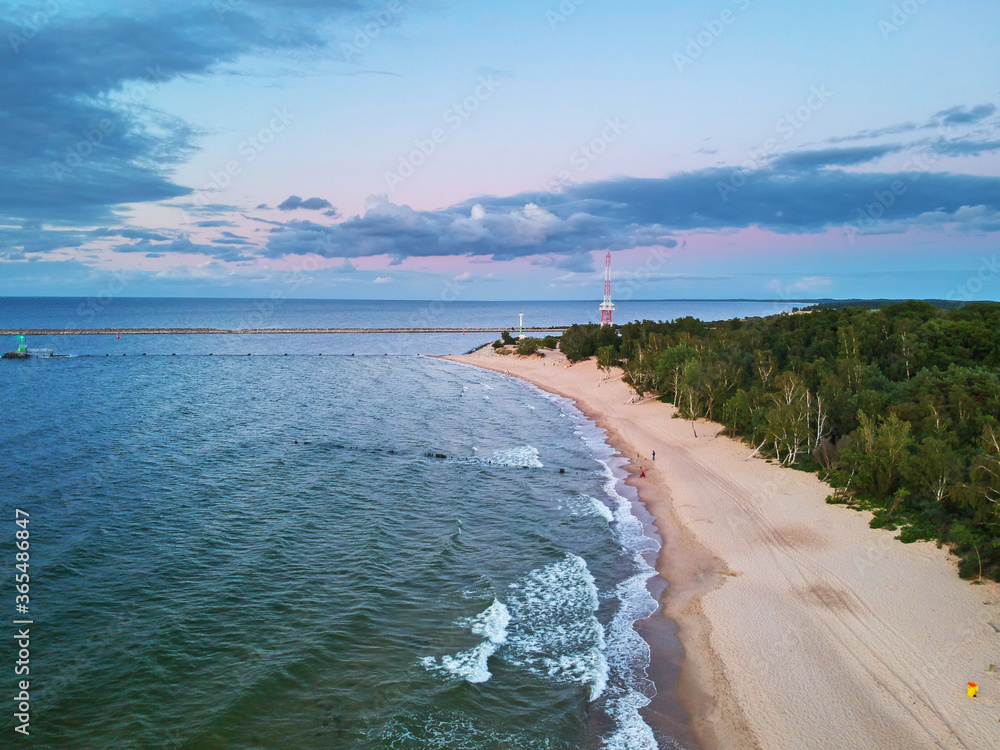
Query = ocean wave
x=601 y=509
x=444 y=732
x=554 y=631
x=472 y=664
x=632 y=732
x=586 y=505
x=630 y=531
x=628 y=654
x=524 y=455
x=548 y=627
x=492 y=623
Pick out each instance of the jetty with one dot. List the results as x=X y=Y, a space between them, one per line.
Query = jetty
x=254 y=331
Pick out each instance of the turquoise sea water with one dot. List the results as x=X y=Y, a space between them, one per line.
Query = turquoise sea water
x=300 y=551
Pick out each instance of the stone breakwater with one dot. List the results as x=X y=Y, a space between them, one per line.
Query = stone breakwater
x=154 y=331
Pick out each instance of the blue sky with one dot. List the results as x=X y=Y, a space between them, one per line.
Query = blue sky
x=389 y=149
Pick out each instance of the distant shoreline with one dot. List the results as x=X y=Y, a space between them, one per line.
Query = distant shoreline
x=801 y=626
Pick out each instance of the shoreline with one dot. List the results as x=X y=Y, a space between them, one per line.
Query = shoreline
x=800 y=626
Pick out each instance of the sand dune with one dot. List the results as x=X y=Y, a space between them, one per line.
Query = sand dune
x=802 y=627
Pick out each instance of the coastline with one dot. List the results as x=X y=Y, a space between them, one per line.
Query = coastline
x=801 y=627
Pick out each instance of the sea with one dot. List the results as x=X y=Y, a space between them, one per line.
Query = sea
x=319 y=541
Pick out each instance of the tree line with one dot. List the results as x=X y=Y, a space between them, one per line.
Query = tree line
x=898 y=408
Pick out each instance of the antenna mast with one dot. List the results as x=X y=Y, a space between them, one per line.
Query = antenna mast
x=607 y=306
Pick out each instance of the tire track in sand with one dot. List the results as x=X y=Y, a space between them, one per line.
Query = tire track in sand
x=863 y=642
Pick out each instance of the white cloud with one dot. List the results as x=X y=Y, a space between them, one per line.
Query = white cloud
x=468 y=276
x=383 y=280
x=969 y=218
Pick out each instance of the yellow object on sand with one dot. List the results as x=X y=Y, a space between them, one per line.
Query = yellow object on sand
x=972 y=689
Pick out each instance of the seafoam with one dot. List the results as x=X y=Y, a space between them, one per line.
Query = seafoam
x=553 y=608
x=628 y=688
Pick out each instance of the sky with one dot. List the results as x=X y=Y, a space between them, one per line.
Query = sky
x=397 y=149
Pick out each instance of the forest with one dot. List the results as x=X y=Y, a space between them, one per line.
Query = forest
x=897 y=408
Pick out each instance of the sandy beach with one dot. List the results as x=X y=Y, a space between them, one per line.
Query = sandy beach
x=801 y=626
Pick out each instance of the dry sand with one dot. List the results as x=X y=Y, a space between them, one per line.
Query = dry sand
x=801 y=626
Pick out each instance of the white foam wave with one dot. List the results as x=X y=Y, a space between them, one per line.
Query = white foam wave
x=625 y=686
x=554 y=632
x=473 y=664
x=602 y=510
x=631 y=533
x=470 y=665
x=586 y=505
x=548 y=627
x=524 y=455
x=632 y=731
x=492 y=623
x=628 y=653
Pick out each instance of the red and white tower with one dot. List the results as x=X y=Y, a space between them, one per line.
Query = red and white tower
x=607 y=307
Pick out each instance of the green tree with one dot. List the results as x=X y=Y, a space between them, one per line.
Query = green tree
x=607 y=358
x=984 y=488
x=669 y=368
x=787 y=418
x=580 y=342
x=878 y=452
x=934 y=469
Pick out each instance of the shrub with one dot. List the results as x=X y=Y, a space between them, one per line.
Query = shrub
x=528 y=346
x=881 y=520
x=910 y=534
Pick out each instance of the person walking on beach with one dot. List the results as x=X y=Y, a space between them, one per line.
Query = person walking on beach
x=654 y=455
